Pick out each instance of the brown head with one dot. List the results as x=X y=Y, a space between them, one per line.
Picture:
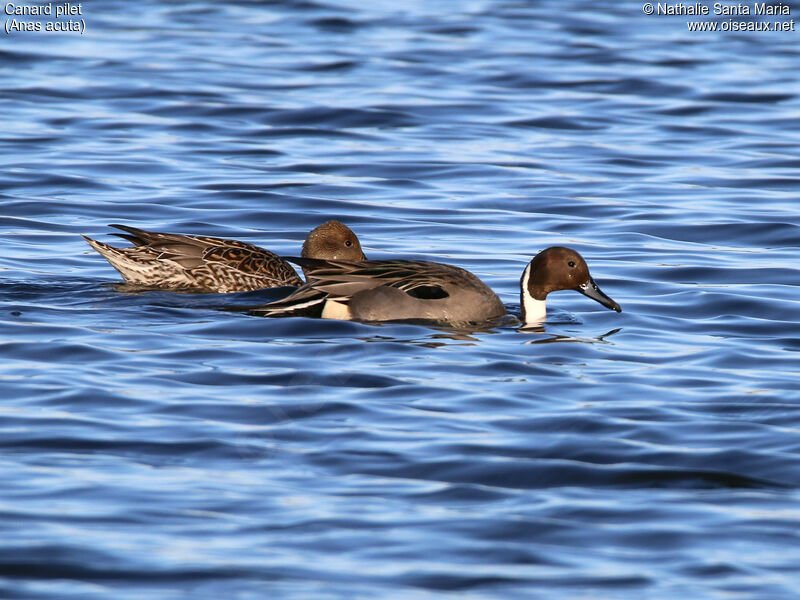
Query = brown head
x=558 y=268
x=332 y=241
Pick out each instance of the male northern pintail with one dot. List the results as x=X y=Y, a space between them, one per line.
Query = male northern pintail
x=395 y=290
x=208 y=264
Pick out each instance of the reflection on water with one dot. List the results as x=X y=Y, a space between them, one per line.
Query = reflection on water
x=160 y=443
x=549 y=338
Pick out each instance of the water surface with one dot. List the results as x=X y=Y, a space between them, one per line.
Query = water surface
x=161 y=444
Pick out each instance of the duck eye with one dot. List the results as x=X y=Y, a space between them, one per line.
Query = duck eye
x=348 y=243
x=571 y=263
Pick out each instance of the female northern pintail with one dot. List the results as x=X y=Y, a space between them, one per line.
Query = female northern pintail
x=208 y=264
x=393 y=290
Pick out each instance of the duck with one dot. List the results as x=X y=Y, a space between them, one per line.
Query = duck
x=403 y=290
x=208 y=264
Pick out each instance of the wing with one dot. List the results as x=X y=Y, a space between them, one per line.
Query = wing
x=341 y=280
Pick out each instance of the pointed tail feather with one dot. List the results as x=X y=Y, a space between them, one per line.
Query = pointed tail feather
x=305 y=302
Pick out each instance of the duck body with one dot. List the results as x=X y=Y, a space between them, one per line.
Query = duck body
x=388 y=290
x=402 y=290
x=209 y=264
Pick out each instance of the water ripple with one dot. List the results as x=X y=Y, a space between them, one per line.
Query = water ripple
x=159 y=443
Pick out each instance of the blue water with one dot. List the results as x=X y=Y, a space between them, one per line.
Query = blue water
x=162 y=445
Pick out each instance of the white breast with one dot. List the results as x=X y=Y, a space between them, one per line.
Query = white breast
x=336 y=310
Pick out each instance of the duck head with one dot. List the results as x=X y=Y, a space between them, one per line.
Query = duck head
x=332 y=241
x=554 y=269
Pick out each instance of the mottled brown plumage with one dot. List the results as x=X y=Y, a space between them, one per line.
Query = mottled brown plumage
x=208 y=264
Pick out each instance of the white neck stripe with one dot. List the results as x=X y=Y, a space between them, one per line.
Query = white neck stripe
x=533 y=311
